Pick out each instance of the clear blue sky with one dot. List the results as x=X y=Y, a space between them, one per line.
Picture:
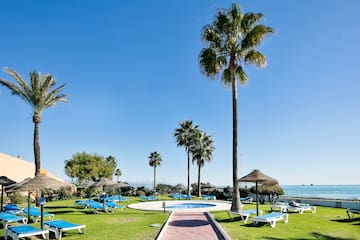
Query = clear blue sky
x=131 y=69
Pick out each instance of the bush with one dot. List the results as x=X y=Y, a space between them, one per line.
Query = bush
x=17 y=198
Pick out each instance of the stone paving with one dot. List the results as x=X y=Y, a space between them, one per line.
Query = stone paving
x=191 y=226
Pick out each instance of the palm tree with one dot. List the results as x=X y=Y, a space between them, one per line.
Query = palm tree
x=40 y=94
x=231 y=41
x=155 y=161
x=117 y=174
x=202 y=151
x=184 y=138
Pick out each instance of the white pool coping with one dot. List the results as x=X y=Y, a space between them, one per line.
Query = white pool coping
x=158 y=205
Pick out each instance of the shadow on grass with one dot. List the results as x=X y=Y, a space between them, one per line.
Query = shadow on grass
x=327 y=237
x=346 y=220
x=315 y=234
x=56 y=207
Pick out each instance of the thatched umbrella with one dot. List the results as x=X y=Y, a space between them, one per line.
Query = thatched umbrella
x=39 y=183
x=86 y=183
x=4 y=181
x=103 y=182
x=119 y=186
x=258 y=177
x=179 y=187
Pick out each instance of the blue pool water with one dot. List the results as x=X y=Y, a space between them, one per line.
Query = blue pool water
x=323 y=191
x=191 y=205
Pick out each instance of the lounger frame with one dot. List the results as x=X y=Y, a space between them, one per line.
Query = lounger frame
x=10 y=232
x=351 y=212
x=59 y=230
x=272 y=218
x=244 y=214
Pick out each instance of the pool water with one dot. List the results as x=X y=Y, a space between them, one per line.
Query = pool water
x=191 y=205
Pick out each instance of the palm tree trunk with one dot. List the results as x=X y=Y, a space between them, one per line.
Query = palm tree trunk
x=36 y=120
x=236 y=205
x=188 y=180
x=154 y=179
x=199 y=188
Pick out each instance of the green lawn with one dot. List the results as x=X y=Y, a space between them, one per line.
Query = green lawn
x=327 y=223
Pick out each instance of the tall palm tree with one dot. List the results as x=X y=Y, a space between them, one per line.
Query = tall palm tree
x=117 y=174
x=201 y=151
x=184 y=138
x=40 y=94
x=155 y=161
x=232 y=40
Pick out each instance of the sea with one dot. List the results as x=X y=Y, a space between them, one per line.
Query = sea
x=348 y=192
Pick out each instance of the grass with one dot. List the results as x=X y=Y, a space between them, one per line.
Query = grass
x=327 y=223
x=128 y=224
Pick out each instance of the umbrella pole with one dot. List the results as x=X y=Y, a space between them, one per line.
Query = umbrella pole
x=42 y=211
x=28 y=211
x=2 y=197
x=257 y=199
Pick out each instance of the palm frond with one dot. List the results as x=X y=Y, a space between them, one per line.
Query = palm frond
x=226 y=77
x=255 y=57
x=236 y=15
x=255 y=36
x=209 y=62
x=249 y=21
x=241 y=75
x=22 y=83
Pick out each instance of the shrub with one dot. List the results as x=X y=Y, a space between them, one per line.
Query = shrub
x=17 y=198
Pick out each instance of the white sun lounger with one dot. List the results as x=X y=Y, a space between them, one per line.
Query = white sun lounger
x=301 y=208
x=244 y=214
x=351 y=212
x=21 y=231
x=60 y=226
x=271 y=218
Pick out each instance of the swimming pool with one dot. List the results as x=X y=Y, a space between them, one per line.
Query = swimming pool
x=182 y=205
x=190 y=205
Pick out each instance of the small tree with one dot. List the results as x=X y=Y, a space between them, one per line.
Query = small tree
x=89 y=166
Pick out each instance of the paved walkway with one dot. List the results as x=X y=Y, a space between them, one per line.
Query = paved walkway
x=191 y=226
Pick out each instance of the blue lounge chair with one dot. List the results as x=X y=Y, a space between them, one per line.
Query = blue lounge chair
x=113 y=206
x=12 y=208
x=7 y=218
x=153 y=198
x=144 y=198
x=81 y=203
x=21 y=231
x=122 y=198
x=35 y=214
x=60 y=226
x=271 y=218
x=96 y=206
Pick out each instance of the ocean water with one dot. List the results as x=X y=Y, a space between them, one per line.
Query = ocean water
x=323 y=191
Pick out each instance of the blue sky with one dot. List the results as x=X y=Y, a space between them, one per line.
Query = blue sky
x=131 y=70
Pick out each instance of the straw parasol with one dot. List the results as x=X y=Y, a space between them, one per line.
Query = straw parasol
x=40 y=183
x=86 y=183
x=257 y=176
x=4 y=181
